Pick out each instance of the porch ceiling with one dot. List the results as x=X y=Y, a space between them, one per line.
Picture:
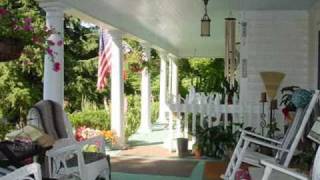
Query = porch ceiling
x=173 y=25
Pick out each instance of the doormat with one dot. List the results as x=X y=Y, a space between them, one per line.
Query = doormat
x=178 y=168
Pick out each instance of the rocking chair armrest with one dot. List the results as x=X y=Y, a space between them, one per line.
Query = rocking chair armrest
x=62 y=150
x=255 y=141
x=259 y=136
x=283 y=170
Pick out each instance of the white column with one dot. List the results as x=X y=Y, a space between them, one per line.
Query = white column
x=117 y=92
x=53 y=83
x=175 y=80
x=163 y=87
x=169 y=82
x=145 y=123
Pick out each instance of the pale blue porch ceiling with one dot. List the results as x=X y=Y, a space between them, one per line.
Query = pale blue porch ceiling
x=174 y=25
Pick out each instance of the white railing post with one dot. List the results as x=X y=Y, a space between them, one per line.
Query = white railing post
x=225 y=110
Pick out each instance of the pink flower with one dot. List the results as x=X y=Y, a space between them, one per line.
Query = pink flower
x=27 y=20
x=50 y=51
x=3 y=11
x=51 y=43
x=27 y=28
x=60 y=43
x=56 y=66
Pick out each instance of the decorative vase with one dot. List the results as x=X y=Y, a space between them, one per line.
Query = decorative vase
x=10 y=49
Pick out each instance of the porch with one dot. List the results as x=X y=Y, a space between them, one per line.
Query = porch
x=267 y=32
x=274 y=35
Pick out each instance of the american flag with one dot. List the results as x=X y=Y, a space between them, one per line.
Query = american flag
x=105 y=54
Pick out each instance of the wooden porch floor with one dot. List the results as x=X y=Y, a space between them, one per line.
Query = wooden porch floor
x=149 y=148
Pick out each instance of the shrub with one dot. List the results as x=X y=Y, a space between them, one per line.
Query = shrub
x=98 y=119
x=4 y=129
x=133 y=115
x=154 y=111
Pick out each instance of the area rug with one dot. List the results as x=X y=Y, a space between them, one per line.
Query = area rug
x=148 y=151
x=213 y=170
x=178 y=168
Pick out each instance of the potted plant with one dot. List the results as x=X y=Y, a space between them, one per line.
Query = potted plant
x=17 y=30
x=289 y=107
x=196 y=150
x=215 y=141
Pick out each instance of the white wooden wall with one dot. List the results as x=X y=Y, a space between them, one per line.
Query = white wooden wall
x=275 y=41
x=314 y=28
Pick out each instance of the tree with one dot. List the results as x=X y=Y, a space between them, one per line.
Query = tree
x=206 y=75
x=21 y=80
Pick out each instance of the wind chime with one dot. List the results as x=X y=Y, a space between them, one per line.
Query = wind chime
x=230 y=50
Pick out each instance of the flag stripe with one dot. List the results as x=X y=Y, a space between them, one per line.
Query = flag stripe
x=105 y=55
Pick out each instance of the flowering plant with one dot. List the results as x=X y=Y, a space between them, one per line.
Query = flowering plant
x=20 y=29
x=83 y=133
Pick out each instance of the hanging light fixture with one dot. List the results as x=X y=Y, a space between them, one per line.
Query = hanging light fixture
x=205 y=21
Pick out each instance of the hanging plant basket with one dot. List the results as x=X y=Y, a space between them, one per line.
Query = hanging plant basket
x=10 y=49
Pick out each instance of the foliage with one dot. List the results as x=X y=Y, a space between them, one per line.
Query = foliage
x=134 y=64
x=133 y=115
x=26 y=28
x=214 y=141
x=98 y=119
x=4 y=129
x=21 y=81
x=287 y=96
x=206 y=75
x=154 y=111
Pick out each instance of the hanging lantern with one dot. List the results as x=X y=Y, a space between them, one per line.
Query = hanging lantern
x=205 y=21
x=230 y=50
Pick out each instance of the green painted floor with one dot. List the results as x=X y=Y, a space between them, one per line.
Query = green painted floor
x=157 y=136
x=197 y=174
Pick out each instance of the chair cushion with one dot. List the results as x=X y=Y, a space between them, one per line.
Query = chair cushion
x=89 y=157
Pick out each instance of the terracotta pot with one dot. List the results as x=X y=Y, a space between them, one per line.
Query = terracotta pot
x=10 y=49
x=197 y=153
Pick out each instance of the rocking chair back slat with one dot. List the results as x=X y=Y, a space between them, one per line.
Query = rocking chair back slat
x=301 y=128
x=291 y=132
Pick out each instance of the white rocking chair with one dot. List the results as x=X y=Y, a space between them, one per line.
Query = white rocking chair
x=270 y=168
x=284 y=148
x=67 y=158
x=28 y=172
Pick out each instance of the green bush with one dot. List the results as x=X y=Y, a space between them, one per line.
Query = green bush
x=98 y=119
x=154 y=111
x=133 y=115
x=4 y=129
x=92 y=117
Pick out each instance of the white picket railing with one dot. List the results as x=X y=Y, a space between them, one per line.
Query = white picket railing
x=210 y=110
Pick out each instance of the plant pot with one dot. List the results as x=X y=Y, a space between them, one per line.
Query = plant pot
x=182 y=144
x=10 y=49
x=108 y=145
x=197 y=153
